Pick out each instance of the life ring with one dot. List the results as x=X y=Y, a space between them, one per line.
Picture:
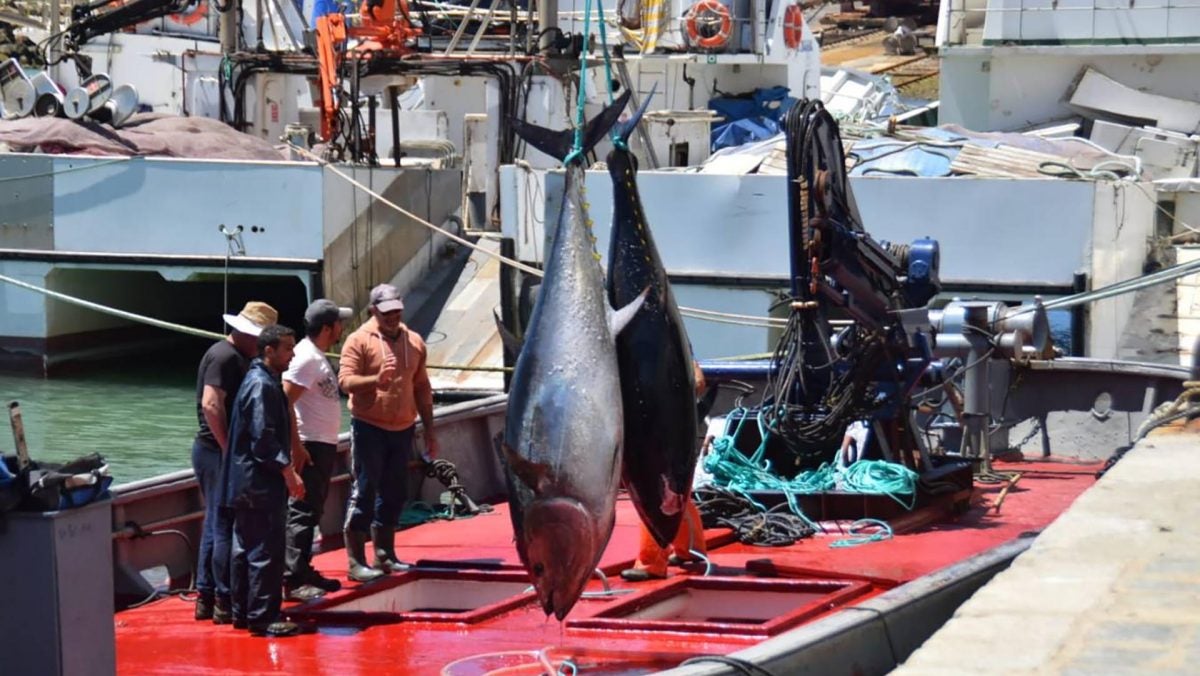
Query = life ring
x=793 y=26
x=192 y=16
x=714 y=11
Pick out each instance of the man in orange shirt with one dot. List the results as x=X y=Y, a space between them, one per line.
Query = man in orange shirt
x=383 y=370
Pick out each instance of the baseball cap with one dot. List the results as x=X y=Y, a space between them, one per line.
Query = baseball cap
x=386 y=298
x=323 y=311
x=253 y=318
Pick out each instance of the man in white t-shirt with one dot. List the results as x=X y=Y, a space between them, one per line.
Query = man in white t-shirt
x=312 y=390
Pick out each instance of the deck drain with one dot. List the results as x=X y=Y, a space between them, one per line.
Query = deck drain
x=423 y=596
x=724 y=605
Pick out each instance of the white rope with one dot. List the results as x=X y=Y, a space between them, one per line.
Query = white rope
x=170 y=326
x=696 y=313
x=467 y=243
x=189 y=330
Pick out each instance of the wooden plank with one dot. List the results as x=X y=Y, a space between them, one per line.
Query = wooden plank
x=1004 y=161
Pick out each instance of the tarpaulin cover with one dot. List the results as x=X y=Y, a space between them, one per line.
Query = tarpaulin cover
x=748 y=118
x=929 y=151
x=144 y=134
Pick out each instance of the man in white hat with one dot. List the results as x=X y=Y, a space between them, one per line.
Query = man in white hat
x=218 y=379
x=383 y=368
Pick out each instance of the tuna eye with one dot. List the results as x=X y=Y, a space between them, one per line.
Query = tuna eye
x=538 y=569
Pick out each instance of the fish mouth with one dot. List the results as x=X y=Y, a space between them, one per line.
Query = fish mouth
x=560 y=546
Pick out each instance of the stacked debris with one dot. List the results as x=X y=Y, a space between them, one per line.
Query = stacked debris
x=1162 y=132
x=19 y=47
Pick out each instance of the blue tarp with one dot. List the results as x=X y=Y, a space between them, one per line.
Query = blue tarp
x=903 y=158
x=748 y=118
x=322 y=7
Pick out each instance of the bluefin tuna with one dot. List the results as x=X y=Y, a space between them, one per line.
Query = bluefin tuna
x=654 y=358
x=561 y=445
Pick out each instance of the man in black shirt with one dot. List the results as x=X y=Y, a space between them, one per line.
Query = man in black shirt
x=221 y=371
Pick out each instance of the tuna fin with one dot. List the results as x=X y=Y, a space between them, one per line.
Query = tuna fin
x=705 y=403
x=672 y=502
x=559 y=143
x=621 y=318
x=624 y=129
x=512 y=344
x=532 y=474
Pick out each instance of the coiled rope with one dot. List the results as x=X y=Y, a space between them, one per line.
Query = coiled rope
x=728 y=501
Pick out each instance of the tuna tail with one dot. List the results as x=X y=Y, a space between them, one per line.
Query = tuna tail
x=625 y=129
x=512 y=344
x=560 y=143
x=704 y=404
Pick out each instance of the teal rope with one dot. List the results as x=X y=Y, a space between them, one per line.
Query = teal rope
x=859 y=535
x=884 y=478
x=419 y=512
x=577 y=149
x=617 y=141
x=731 y=469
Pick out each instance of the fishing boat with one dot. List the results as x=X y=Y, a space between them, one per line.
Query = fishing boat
x=858 y=607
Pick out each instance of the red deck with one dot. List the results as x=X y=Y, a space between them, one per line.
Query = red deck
x=163 y=638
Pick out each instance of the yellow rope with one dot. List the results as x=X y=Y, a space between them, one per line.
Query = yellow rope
x=646 y=37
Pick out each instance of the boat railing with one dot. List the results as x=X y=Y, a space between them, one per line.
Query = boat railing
x=156 y=522
x=1067 y=22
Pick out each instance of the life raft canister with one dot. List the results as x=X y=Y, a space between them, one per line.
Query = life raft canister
x=793 y=26
x=709 y=12
x=193 y=15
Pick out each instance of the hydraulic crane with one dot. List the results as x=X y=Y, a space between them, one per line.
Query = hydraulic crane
x=861 y=337
x=379 y=31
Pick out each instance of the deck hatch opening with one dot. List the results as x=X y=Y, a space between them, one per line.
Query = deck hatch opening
x=424 y=596
x=725 y=605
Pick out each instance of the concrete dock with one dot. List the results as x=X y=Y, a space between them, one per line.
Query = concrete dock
x=1111 y=587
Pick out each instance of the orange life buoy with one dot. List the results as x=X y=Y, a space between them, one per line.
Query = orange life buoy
x=709 y=12
x=192 y=16
x=793 y=26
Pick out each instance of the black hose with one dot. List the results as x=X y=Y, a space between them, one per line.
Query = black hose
x=742 y=666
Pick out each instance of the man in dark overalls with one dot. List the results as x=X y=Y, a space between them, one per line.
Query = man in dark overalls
x=258 y=477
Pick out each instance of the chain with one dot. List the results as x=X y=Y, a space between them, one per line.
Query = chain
x=1033 y=432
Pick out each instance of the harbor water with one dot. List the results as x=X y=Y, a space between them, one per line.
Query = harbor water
x=140 y=413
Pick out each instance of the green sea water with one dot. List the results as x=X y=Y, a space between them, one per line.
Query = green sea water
x=140 y=414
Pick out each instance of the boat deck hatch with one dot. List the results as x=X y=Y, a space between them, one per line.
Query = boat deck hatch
x=424 y=596
x=725 y=605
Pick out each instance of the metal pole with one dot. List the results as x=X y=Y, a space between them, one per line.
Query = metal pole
x=547 y=18
x=228 y=28
x=18 y=428
x=372 y=104
x=261 y=9
x=508 y=301
x=55 y=12
x=1079 y=318
x=394 y=94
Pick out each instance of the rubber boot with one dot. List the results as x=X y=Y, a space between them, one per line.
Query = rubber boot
x=385 y=552
x=356 y=569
